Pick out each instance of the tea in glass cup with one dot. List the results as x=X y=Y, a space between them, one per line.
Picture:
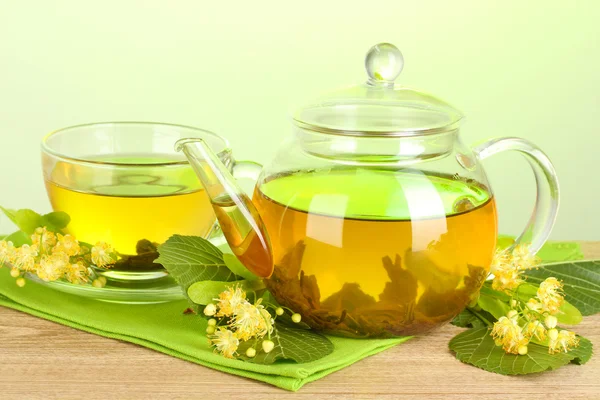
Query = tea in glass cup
x=123 y=183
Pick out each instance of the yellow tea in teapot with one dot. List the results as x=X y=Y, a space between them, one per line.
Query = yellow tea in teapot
x=363 y=252
x=123 y=206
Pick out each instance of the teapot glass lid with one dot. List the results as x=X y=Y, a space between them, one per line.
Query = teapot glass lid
x=379 y=107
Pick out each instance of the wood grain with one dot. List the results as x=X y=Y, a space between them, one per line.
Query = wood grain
x=41 y=360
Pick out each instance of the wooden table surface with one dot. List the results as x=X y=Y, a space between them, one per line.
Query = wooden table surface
x=41 y=360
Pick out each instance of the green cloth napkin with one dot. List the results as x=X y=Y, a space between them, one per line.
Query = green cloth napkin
x=163 y=327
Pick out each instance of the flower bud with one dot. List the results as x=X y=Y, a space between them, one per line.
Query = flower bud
x=20 y=282
x=523 y=350
x=251 y=352
x=15 y=273
x=210 y=310
x=210 y=330
x=513 y=303
x=279 y=311
x=551 y=321
x=553 y=334
x=267 y=346
x=97 y=283
x=296 y=318
x=212 y=322
x=514 y=314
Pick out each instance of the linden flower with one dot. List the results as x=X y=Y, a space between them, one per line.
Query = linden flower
x=550 y=295
x=7 y=252
x=77 y=273
x=225 y=342
x=507 y=333
x=534 y=305
x=229 y=301
x=52 y=267
x=523 y=258
x=535 y=329
x=504 y=327
x=501 y=261
x=247 y=320
x=43 y=239
x=506 y=274
x=67 y=244
x=102 y=255
x=507 y=267
x=564 y=341
x=24 y=257
x=507 y=279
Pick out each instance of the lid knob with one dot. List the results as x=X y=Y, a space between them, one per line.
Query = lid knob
x=383 y=62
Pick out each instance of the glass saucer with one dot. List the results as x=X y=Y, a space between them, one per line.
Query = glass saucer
x=154 y=291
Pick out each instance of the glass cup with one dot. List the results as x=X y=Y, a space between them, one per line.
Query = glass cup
x=123 y=183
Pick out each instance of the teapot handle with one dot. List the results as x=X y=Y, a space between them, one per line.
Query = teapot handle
x=547 y=200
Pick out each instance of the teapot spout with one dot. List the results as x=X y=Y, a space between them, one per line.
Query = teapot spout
x=240 y=222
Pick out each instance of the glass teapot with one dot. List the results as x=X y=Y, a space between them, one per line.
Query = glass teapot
x=374 y=219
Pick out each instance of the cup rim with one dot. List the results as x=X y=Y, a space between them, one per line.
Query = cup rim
x=47 y=149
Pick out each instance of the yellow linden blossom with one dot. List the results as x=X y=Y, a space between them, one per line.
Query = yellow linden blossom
x=246 y=321
x=7 y=252
x=500 y=261
x=102 y=255
x=507 y=267
x=25 y=257
x=225 y=342
x=507 y=333
x=252 y=321
x=77 y=273
x=565 y=341
x=506 y=280
x=535 y=329
x=229 y=301
x=52 y=267
x=43 y=240
x=522 y=256
x=534 y=305
x=550 y=295
x=67 y=244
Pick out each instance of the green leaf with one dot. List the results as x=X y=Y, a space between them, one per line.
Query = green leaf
x=238 y=268
x=469 y=318
x=55 y=221
x=191 y=259
x=569 y=314
x=18 y=238
x=25 y=219
x=205 y=292
x=476 y=347
x=581 y=280
x=494 y=302
x=297 y=345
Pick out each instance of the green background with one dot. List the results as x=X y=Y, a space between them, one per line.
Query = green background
x=518 y=68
